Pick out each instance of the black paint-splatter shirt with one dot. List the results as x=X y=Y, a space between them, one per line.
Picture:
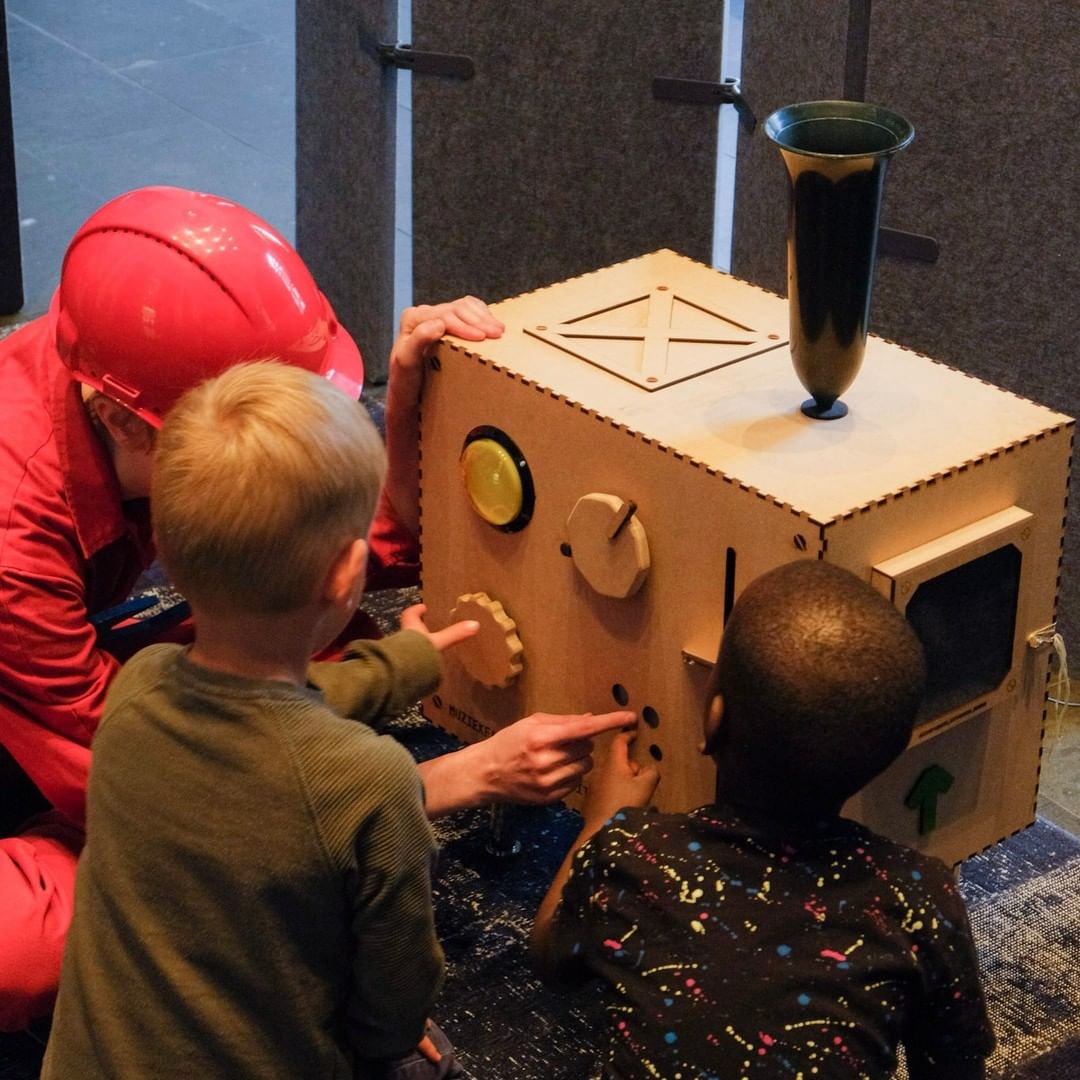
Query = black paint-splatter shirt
x=737 y=950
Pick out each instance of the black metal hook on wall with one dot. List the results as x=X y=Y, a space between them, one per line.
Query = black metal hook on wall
x=449 y=65
x=703 y=92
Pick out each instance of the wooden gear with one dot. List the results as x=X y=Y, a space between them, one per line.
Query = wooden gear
x=493 y=656
x=667 y=386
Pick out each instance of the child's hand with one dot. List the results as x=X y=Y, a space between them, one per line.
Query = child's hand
x=419 y=332
x=412 y=618
x=619 y=781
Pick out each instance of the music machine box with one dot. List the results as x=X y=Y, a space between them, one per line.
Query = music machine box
x=600 y=483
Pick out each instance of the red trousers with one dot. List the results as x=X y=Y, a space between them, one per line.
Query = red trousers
x=37 y=883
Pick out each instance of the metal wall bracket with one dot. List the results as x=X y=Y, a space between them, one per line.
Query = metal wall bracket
x=449 y=65
x=907 y=245
x=700 y=92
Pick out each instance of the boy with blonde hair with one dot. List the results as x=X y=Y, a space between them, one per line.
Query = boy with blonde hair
x=254 y=896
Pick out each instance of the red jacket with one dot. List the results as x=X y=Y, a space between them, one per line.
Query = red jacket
x=70 y=547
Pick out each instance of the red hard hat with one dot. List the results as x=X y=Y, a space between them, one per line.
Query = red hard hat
x=162 y=288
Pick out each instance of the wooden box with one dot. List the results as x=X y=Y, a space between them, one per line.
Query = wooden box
x=598 y=485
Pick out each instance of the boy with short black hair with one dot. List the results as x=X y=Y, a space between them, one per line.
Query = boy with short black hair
x=765 y=935
x=254 y=897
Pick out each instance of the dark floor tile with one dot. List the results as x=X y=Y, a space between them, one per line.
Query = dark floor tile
x=123 y=32
x=189 y=153
x=246 y=91
x=52 y=205
x=59 y=96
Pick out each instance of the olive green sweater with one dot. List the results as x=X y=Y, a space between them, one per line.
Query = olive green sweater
x=254 y=897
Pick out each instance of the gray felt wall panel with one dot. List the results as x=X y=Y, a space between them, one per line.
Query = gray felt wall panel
x=992 y=176
x=555 y=159
x=345 y=104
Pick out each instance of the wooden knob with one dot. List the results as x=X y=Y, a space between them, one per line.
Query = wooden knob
x=608 y=544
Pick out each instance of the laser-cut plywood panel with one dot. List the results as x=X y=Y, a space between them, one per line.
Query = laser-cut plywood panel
x=657 y=339
x=727 y=479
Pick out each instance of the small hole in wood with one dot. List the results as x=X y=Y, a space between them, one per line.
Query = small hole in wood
x=800 y=541
x=656 y=752
x=650 y=716
x=618 y=692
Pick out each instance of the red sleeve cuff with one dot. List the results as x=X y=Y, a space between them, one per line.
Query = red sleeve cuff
x=394 y=557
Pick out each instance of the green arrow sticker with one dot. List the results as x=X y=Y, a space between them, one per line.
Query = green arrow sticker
x=932 y=782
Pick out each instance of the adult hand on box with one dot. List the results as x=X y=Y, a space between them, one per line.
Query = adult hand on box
x=419 y=332
x=536 y=760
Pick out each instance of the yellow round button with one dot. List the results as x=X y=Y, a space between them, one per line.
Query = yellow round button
x=492 y=481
